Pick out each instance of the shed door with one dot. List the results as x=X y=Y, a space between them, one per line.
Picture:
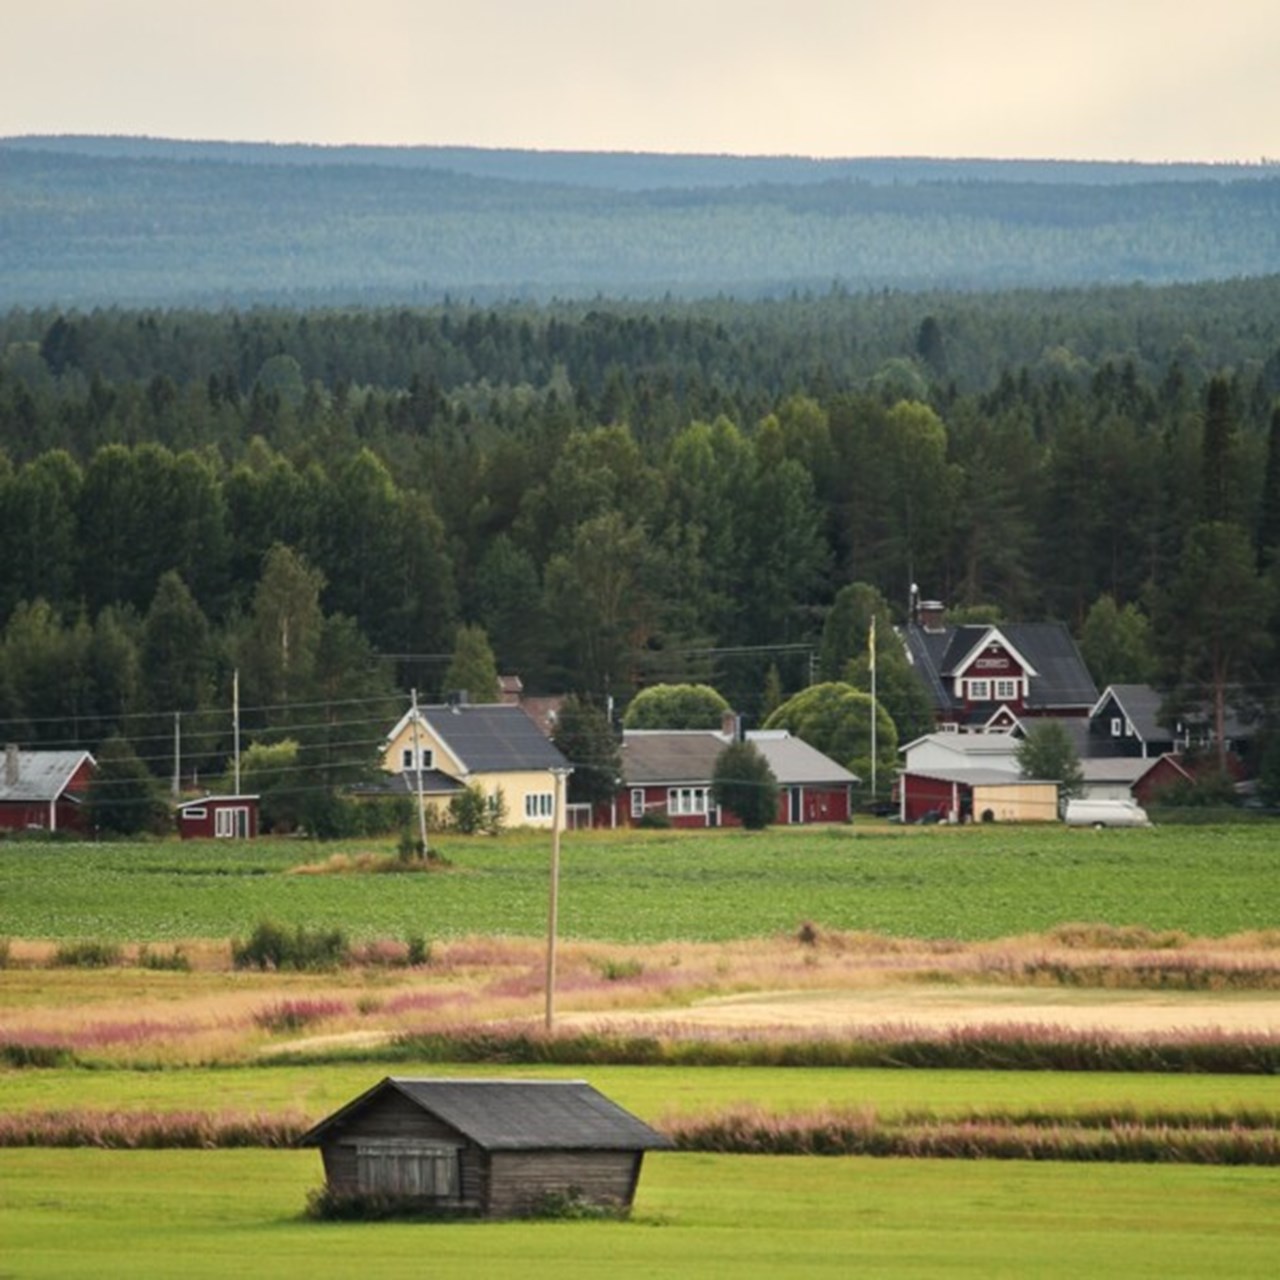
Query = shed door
x=407 y=1169
x=231 y=822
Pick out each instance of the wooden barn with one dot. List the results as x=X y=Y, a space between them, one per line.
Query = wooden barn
x=492 y=1148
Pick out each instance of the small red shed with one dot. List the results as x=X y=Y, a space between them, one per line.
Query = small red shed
x=219 y=818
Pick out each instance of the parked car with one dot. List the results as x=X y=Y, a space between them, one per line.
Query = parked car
x=1105 y=813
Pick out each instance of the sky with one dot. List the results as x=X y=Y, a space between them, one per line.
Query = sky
x=1152 y=80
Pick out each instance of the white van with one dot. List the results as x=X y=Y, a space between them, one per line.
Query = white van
x=1106 y=813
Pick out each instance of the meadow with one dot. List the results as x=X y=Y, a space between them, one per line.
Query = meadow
x=106 y=1214
x=652 y=923
x=965 y=884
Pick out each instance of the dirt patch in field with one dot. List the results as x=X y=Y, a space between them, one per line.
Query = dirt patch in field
x=943 y=1007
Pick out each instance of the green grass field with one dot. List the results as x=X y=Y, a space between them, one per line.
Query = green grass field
x=196 y=1214
x=651 y=1092
x=974 y=883
x=85 y=1212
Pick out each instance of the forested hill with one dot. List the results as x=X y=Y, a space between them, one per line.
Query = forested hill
x=100 y=221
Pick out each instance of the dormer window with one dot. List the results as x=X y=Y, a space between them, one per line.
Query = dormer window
x=979 y=690
x=1006 y=690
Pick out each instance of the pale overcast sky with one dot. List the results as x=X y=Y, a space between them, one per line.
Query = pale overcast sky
x=1102 y=79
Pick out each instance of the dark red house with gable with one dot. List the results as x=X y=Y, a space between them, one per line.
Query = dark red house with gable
x=985 y=678
x=44 y=790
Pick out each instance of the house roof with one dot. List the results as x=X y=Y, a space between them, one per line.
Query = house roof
x=489 y=737
x=975 y=777
x=967 y=746
x=197 y=801
x=651 y=756
x=795 y=763
x=1126 y=769
x=1059 y=679
x=42 y=775
x=434 y=783
x=513 y=1115
x=1140 y=706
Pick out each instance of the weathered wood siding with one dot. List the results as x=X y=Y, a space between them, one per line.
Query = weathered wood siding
x=518 y=1179
x=394 y=1118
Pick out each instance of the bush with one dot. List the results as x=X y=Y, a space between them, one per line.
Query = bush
x=573 y=1205
x=88 y=955
x=15 y=1054
x=271 y=946
x=175 y=960
x=326 y=1205
x=471 y=812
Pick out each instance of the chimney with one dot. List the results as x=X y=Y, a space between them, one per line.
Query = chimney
x=731 y=726
x=12 y=764
x=932 y=615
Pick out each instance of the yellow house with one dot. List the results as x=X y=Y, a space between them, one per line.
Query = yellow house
x=493 y=746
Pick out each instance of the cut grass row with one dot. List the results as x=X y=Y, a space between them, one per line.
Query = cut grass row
x=658 y=1094
x=140 y=1214
x=973 y=883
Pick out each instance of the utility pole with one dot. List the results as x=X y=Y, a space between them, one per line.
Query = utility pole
x=417 y=764
x=177 y=754
x=235 y=723
x=871 y=656
x=553 y=910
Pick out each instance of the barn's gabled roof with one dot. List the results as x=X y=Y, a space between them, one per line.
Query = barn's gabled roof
x=512 y=1115
x=41 y=775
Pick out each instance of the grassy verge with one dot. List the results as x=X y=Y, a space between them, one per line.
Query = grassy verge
x=108 y=1214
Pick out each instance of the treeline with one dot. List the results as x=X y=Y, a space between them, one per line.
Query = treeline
x=617 y=496
x=235 y=226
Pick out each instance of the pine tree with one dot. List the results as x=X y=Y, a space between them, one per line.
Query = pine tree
x=472 y=670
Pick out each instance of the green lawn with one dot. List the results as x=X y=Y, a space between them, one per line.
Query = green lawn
x=651 y=1092
x=196 y=1214
x=967 y=884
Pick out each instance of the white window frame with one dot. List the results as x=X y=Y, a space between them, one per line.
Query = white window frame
x=687 y=801
x=1006 y=689
x=979 y=690
x=425 y=755
x=1117 y=727
x=637 y=802
x=195 y=815
x=539 y=804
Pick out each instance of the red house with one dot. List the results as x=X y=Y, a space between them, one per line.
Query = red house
x=668 y=773
x=219 y=818
x=44 y=790
x=990 y=678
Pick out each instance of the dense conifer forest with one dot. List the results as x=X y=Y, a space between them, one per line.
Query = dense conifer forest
x=621 y=492
x=103 y=221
